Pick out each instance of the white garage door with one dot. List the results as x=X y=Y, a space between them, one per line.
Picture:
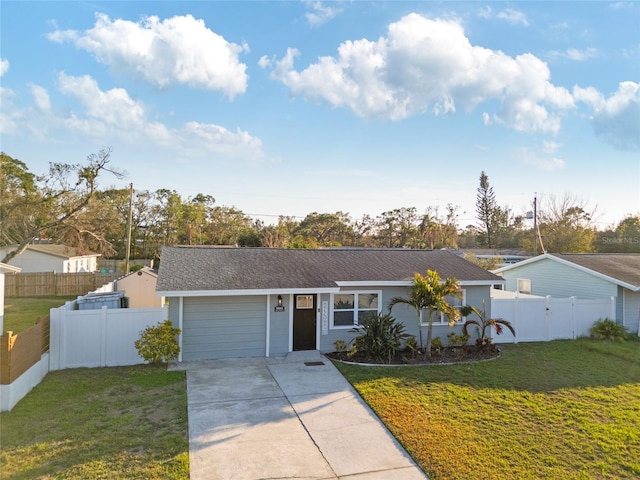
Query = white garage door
x=224 y=327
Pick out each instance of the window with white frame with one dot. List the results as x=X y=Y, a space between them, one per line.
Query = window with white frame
x=351 y=308
x=440 y=317
x=524 y=286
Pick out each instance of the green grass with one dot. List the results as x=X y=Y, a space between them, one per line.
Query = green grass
x=564 y=409
x=21 y=313
x=100 y=423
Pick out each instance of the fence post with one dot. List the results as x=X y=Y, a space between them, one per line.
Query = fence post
x=547 y=307
x=515 y=318
x=103 y=343
x=573 y=318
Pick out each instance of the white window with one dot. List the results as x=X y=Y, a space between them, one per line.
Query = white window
x=524 y=286
x=350 y=308
x=440 y=317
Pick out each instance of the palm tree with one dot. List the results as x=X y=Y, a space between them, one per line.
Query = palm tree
x=483 y=323
x=429 y=293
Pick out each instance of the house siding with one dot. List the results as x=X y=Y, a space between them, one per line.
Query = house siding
x=279 y=327
x=632 y=311
x=223 y=327
x=475 y=295
x=549 y=277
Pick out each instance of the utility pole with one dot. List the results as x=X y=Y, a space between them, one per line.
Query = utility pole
x=129 y=222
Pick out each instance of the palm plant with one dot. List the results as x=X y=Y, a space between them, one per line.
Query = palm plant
x=483 y=323
x=430 y=293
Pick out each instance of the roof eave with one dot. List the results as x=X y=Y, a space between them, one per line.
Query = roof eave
x=244 y=292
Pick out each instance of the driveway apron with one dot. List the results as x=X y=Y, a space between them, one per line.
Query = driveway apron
x=285 y=418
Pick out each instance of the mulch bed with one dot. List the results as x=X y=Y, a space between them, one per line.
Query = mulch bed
x=446 y=355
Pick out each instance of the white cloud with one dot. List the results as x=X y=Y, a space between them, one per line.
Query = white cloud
x=40 y=97
x=4 y=66
x=514 y=17
x=177 y=50
x=546 y=162
x=617 y=119
x=113 y=116
x=485 y=12
x=429 y=65
x=550 y=147
x=620 y=5
x=510 y=15
x=264 y=62
x=320 y=13
x=112 y=107
x=576 y=54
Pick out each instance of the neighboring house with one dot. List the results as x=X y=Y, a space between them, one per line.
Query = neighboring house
x=506 y=255
x=140 y=288
x=52 y=258
x=4 y=268
x=256 y=302
x=582 y=275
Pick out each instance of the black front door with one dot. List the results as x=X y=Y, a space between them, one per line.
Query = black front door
x=304 y=322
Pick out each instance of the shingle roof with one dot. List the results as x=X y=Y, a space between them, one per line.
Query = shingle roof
x=620 y=266
x=60 y=251
x=211 y=269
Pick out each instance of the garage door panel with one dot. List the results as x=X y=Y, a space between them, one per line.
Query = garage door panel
x=223 y=327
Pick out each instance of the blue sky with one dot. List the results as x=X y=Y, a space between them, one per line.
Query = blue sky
x=286 y=108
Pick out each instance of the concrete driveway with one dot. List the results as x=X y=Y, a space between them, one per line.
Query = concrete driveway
x=284 y=418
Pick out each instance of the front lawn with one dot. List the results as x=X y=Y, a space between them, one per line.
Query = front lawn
x=21 y=313
x=99 y=423
x=566 y=409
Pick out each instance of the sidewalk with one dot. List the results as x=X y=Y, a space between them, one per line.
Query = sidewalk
x=278 y=418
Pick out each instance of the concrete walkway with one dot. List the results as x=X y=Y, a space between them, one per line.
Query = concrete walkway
x=285 y=418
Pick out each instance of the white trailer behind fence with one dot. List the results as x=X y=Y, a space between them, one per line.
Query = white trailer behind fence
x=540 y=319
x=98 y=338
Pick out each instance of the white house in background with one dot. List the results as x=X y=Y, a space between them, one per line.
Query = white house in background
x=4 y=268
x=582 y=275
x=52 y=258
x=140 y=288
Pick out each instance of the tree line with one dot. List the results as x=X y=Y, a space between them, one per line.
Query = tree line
x=66 y=206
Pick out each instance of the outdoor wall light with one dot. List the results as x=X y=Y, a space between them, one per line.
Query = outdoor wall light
x=279 y=300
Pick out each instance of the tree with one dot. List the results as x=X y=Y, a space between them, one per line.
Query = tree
x=398 y=228
x=430 y=293
x=62 y=195
x=565 y=225
x=487 y=209
x=439 y=232
x=327 y=229
x=624 y=239
x=483 y=323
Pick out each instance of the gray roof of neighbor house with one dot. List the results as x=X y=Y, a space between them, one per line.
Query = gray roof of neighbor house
x=619 y=267
x=214 y=268
x=56 y=250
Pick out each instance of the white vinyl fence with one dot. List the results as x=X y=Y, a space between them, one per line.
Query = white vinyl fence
x=98 y=338
x=540 y=319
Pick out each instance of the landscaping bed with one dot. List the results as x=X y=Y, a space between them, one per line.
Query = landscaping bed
x=443 y=356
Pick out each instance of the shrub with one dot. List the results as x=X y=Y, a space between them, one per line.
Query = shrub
x=340 y=345
x=456 y=340
x=607 y=329
x=436 y=343
x=159 y=344
x=380 y=337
